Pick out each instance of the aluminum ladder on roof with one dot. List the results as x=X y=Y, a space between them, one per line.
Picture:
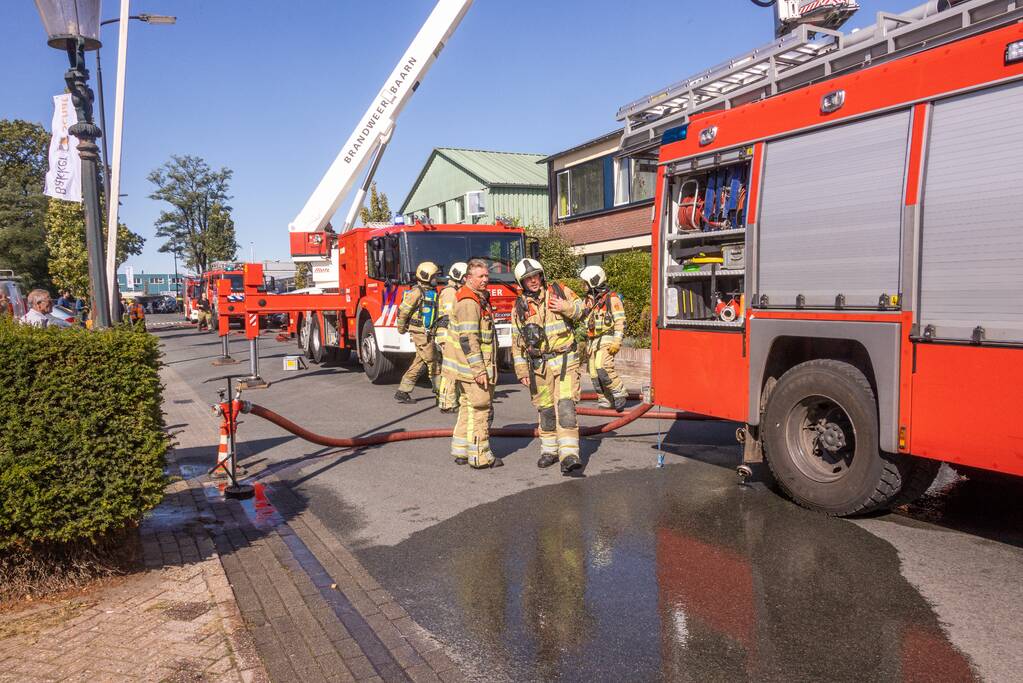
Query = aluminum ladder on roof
x=804 y=56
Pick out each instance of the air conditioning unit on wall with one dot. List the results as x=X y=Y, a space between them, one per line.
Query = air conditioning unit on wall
x=475 y=203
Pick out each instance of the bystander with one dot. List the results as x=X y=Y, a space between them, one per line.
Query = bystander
x=39 y=310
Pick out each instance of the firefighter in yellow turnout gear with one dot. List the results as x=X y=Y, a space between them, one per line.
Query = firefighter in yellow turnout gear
x=605 y=328
x=546 y=361
x=447 y=395
x=417 y=315
x=471 y=361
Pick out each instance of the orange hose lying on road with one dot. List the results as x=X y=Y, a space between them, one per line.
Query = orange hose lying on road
x=641 y=410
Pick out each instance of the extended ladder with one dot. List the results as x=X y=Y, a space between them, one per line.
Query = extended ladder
x=804 y=56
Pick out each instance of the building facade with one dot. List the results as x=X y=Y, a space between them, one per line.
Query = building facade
x=149 y=284
x=600 y=202
x=475 y=186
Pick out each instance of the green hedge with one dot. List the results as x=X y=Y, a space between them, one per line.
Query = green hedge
x=628 y=274
x=82 y=443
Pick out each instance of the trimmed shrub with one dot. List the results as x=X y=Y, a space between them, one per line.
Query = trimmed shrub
x=81 y=434
x=628 y=274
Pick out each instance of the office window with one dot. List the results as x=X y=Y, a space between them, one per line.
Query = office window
x=137 y=281
x=477 y=203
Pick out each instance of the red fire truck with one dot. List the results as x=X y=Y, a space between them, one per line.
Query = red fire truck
x=356 y=303
x=838 y=250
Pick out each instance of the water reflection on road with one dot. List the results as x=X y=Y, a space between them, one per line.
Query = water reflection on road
x=672 y=574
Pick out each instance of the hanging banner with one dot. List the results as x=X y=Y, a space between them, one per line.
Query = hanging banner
x=64 y=177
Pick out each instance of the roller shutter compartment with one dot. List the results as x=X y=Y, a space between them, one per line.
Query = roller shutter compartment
x=831 y=214
x=971 y=271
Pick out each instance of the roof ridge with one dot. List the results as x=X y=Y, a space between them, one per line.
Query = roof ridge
x=487 y=151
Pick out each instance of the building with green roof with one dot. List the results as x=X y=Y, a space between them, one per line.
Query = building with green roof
x=476 y=186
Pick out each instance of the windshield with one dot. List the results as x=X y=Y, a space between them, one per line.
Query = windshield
x=501 y=251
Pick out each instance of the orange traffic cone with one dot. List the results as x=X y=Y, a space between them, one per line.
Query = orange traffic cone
x=222 y=455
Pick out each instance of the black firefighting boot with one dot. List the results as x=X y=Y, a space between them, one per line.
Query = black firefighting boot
x=403 y=397
x=570 y=463
x=546 y=460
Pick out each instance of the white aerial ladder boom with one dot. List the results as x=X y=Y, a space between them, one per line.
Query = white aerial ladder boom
x=367 y=142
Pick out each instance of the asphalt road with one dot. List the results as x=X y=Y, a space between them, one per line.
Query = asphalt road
x=633 y=572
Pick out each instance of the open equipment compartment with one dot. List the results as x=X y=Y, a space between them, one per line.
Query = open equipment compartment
x=703 y=241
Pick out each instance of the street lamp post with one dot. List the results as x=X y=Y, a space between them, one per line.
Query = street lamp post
x=146 y=19
x=73 y=26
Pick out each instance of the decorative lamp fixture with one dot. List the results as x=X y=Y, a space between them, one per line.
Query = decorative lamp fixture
x=67 y=20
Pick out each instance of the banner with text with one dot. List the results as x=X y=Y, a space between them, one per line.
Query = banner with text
x=64 y=177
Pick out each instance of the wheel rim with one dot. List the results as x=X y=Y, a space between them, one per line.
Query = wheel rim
x=314 y=337
x=369 y=350
x=303 y=334
x=821 y=438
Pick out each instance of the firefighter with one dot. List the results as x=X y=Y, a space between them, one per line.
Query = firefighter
x=605 y=326
x=447 y=398
x=546 y=361
x=474 y=366
x=136 y=315
x=417 y=314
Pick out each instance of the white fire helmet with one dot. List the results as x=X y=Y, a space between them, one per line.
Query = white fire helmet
x=457 y=272
x=426 y=271
x=593 y=276
x=525 y=268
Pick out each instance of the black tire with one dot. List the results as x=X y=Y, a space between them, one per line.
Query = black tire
x=317 y=351
x=834 y=466
x=378 y=366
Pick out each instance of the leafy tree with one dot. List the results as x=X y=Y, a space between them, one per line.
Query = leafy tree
x=629 y=274
x=65 y=241
x=378 y=210
x=556 y=254
x=23 y=160
x=199 y=224
x=303 y=275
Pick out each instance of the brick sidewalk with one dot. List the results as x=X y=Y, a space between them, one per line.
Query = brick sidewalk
x=315 y=614
x=176 y=621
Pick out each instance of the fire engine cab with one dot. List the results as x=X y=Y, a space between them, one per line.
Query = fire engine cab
x=838 y=250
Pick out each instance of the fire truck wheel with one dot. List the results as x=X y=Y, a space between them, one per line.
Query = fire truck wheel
x=317 y=351
x=379 y=367
x=821 y=441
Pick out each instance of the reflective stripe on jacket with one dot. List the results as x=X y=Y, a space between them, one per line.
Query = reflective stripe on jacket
x=558 y=328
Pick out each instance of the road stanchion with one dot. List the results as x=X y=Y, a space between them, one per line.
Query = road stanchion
x=253 y=381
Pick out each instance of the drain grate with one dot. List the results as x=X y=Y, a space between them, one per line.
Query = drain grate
x=182 y=401
x=187 y=611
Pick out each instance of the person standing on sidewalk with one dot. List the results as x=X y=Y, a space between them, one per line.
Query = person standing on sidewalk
x=605 y=329
x=447 y=396
x=417 y=314
x=473 y=364
x=546 y=361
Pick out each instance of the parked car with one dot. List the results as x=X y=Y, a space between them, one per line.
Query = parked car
x=65 y=317
x=11 y=287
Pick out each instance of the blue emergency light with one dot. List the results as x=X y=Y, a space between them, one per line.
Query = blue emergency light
x=674 y=134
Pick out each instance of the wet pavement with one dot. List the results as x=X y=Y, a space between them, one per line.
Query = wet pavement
x=666 y=575
x=634 y=572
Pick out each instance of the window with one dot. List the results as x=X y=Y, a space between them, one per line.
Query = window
x=587 y=187
x=622 y=180
x=644 y=176
x=156 y=280
x=437 y=213
x=476 y=202
x=458 y=210
x=564 y=194
x=137 y=281
x=501 y=250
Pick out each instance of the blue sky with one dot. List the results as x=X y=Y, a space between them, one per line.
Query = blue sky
x=272 y=89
